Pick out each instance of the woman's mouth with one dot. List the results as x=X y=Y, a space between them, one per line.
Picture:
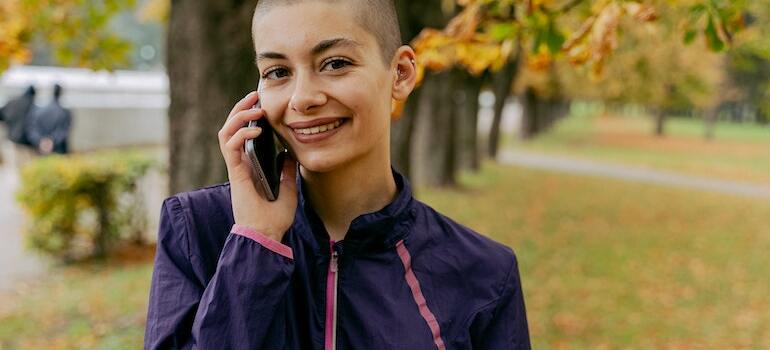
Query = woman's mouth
x=315 y=131
x=319 y=129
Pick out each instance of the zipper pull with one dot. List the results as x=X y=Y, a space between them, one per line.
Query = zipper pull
x=333 y=263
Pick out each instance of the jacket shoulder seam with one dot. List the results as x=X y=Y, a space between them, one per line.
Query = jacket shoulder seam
x=186 y=223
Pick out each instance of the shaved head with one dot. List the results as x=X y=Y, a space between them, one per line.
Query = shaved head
x=378 y=17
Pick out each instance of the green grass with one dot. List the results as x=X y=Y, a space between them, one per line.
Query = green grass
x=610 y=264
x=737 y=152
x=86 y=306
x=604 y=264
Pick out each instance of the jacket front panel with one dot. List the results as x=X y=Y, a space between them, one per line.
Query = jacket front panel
x=406 y=278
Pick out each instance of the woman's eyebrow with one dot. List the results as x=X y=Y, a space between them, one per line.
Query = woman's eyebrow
x=330 y=43
x=269 y=55
x=315 y=51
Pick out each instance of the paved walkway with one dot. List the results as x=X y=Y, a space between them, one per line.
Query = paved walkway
x=16 y=263
x=624 y=172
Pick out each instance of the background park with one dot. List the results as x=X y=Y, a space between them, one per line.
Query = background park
x=621 y=148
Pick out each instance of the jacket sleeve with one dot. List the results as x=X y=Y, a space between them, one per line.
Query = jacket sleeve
x=503 y=325
x=242 y=306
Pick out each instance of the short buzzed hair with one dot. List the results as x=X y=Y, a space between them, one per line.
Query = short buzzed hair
x=376 y=16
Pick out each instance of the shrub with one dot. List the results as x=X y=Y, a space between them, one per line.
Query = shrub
x=80 y=205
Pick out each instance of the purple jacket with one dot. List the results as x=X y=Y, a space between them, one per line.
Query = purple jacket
x=404 y=277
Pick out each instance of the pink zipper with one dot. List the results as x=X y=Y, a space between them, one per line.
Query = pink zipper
x=331 y=301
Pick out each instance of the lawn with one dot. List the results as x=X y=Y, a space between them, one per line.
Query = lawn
x=604 y=263
x=86 y=306
x=737 y=151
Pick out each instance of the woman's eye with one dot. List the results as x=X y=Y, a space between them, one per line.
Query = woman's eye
x=276 y=73
x=335 y=64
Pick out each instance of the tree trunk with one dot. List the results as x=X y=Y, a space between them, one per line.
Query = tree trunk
x=531 y=110
x=467 y=105
x=401 y=135
x=413 y=17
x=660 y=121
x=710 y=120
x=660 y=115
x=433 y=157
x=210 y=67
x=502 y=82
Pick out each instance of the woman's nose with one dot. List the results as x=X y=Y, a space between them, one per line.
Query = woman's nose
x=307 y=96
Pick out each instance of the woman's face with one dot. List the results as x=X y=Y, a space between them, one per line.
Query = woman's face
x=321 y=71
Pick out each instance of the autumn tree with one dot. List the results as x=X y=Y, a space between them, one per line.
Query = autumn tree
x=583 y=33
x=76 y=31
x=748 y=67
x=210 y=60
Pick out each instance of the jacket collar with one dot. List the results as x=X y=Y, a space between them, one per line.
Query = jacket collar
x=371 y=232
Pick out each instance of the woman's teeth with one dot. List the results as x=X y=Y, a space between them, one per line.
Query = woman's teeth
x=319 y=129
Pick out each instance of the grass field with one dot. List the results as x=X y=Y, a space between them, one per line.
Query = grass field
x=605 y=264
x=737 y=152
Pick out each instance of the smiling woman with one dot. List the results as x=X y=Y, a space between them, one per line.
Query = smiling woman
x=345 y=257
x=312 y=71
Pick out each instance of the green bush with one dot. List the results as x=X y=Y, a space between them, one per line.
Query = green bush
x=79 y=206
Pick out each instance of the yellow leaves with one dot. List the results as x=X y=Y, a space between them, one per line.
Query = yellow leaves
x=155 y=10
x=597 y=37
x=13 y=36
x=464 y=25
x=642 y=12
x=460 y=43
x=396 y=108
x=538 y=5
x=433 y=49
x=578 y=54
x=479 y=55
x=603 y=38
x=76 y=31
x=541 y=60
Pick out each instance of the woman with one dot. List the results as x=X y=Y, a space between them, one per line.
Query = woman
x=346 y=258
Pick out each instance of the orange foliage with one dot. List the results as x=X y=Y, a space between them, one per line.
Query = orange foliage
x=14 y=35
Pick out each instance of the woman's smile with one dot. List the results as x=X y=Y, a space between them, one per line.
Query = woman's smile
x=316 y=130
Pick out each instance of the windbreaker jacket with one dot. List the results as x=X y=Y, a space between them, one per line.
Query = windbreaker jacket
x=404 y=277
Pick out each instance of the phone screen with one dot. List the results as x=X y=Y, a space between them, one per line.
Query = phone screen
x=267 y=155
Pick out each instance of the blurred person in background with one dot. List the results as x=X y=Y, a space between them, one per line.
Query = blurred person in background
x=49 y=127
x=15 y=114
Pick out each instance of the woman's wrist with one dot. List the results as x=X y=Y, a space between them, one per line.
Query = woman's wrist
x=272 y=234
x=271 y=242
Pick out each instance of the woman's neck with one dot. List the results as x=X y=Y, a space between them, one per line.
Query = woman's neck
x=340 y=196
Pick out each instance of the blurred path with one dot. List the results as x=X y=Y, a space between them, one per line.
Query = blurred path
x=630 y=173
x=16 y=264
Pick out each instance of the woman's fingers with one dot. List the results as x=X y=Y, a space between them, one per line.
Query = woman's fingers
x=241 y=113
x=233 y=148
x=237 y=121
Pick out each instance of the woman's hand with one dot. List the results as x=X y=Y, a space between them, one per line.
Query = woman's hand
x=250 y=206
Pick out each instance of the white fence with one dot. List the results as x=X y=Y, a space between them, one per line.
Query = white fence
x=123 y=108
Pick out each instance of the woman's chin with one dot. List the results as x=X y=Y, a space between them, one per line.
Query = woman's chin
x=318 y=163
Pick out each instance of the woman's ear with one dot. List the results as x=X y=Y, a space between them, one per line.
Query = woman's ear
x=405 y=72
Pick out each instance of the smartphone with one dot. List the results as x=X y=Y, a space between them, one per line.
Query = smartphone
x=267 y=155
